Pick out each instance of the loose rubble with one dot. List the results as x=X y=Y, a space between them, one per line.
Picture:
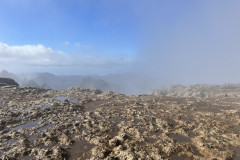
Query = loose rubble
x=81 y=124
x=200 y=91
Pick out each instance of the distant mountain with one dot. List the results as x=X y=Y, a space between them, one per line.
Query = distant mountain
x=57 y=82
x=127 y=83
x=131 y=83
x=94 y=83
x=30 y=83
x=6 y=74
x=52 y=81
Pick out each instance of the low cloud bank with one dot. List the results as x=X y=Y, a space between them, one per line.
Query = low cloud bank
x=41 y=56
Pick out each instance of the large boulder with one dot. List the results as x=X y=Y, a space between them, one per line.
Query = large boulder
x=8 y=82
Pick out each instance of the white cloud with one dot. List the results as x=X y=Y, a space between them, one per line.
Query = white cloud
x=83 y=46
x=33 y=55
x=66 y=43
x=41 y=56
x=78 y=44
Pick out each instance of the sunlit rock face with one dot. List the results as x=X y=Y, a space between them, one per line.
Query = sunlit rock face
x=82 y=123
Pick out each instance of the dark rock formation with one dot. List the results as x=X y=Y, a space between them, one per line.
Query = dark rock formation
x=8 y=82
x=7 y=74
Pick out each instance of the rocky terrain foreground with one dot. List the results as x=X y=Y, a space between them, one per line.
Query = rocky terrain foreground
x=88 y=124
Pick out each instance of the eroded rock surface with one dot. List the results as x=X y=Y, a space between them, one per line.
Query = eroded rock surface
x=88 y=124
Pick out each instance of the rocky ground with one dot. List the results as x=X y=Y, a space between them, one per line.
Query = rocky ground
x=200 y=91
x=88 y=124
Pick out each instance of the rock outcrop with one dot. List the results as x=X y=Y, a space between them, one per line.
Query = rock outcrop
x=200 y=91
x=8 y=82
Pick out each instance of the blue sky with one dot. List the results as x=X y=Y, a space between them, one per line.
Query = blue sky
x=173 y=41
x=84 y=30
x=106 y=26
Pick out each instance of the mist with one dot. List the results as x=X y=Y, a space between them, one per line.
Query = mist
x=191 y=43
